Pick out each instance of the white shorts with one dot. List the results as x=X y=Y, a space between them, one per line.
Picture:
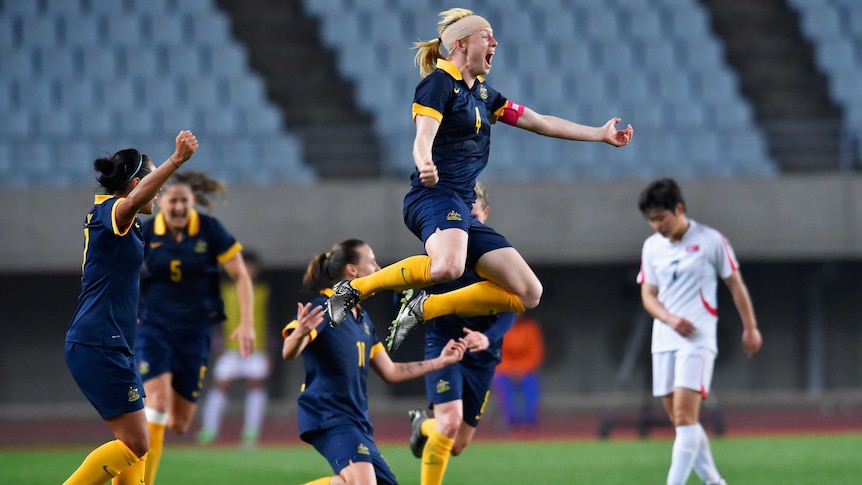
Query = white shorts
x=231 y=366
x=688 y=368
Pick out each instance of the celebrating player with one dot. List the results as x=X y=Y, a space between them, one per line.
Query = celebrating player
x=181 y=302
x=453 y=109
x=101 y=336
x=680 y=267
x=333 y=405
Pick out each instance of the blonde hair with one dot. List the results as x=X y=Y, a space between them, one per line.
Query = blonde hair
x=481 y=194
x=428 y=51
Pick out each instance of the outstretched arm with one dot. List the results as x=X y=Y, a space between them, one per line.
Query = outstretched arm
x=568 y=130
x=392 y=372
x=751 y=338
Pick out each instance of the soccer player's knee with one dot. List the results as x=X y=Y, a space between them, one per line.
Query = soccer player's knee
x=138 y=445
x=530 y=299
x=446 y=271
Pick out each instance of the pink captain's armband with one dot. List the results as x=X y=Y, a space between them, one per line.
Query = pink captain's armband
x=511 y=112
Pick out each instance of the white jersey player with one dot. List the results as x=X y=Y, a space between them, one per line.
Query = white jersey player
x=680 y=268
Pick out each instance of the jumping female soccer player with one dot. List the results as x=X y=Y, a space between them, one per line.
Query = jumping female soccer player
x=453 y=110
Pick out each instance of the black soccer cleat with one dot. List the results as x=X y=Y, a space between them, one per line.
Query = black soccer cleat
x=409 y=317
x=417 y=441
x=341 y=303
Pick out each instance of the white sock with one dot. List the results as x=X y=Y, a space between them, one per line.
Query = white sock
x=155 y=417
x=255 y=406
x=214 y=409
x=685 y=448
x=704 y=464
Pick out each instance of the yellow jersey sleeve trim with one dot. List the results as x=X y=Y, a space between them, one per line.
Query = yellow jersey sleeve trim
x=230 y=253
x=418 y=109
x=290 y=327
x=117 y=230
x=376 y=349
x=497 y=114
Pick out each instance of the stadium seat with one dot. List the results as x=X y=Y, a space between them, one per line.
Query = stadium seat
x=17 y=64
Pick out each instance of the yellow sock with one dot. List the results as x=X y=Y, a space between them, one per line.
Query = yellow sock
x=102 y=464
x=320 y=481
x=413 y=272
x=435 y=458
x=157 y=442
x=428 y=427
x=133 y=474
x=482 y=298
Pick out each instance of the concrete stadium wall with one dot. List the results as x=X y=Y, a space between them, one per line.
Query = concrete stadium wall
x=789 y=218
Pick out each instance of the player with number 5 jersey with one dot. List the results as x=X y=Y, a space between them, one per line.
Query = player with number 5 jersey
x=181 y=302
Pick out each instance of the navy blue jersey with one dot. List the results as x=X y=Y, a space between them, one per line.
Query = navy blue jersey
x=336 y=370
x=463 y=141
x=180 y=281
x=108 y=304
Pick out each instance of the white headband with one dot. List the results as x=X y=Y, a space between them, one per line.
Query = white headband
x=461 y=28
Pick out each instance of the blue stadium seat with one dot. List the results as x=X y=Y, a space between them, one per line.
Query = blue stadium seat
x=204 y=93
x=211 y=28
x=166 y=29
x=55 y=123
x=17 y=64
x=247 y=90
x=226 y=59
x=36 y=95
x=11 y=8
x=96 y=122
x=118 y=94
x=657 y=55
x=136 y=122
x=644 y=23
x=602 y=25
x=732 y=115
x=16 y=124
x=57 y=63
x=835 y=54
x=40 y=31
x=161 y=93
x=82 y=31
x=126 y=30
x=76 y=94
x=8 y=37
x=222 y=122
x=99 y=63
x=821 y=23
x=184 y=61
x=266 y=120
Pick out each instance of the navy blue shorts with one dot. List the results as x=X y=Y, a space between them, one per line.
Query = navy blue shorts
x=344 y=444
x=470 y=383
x=426 y=210
x=184 y=353
x=108 y=378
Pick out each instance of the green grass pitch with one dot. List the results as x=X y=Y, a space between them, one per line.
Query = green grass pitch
x=833 y=460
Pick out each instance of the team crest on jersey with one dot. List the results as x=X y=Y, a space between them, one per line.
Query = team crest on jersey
x=692 y=249
x=134 y=394
x=443 y=386
x=367 y=330
x=483 y=92
x=201 y=247
x=144 y=367
x=362 y=449
x=453 y=216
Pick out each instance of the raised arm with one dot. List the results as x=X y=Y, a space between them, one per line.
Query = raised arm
x=392 y=372
x=298 y=333
x=148 y=187
x=751 y=338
